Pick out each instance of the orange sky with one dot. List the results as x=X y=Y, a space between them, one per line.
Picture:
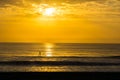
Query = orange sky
x=81 y=22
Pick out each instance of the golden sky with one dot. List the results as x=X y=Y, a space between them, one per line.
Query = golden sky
x=81 y=21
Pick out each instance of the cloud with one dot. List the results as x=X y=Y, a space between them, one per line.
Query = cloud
x=3 y=3
x=74 y=8
x=21 y=2
x=61 y=1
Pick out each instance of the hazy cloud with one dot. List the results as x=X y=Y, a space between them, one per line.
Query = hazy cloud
x=3 y=3
x=21 y=2
x=75 y=8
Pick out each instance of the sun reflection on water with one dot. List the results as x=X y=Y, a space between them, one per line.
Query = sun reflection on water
x=48 y=49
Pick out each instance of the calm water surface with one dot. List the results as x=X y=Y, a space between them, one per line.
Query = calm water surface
x=59 y=57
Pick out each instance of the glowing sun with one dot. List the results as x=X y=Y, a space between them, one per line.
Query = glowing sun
x=49 y=12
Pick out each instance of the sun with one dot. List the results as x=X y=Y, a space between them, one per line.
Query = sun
x=49 y=12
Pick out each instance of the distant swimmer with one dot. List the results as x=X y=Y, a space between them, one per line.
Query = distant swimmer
x=40 y=53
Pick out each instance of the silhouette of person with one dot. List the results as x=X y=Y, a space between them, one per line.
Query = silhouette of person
x=39 y=53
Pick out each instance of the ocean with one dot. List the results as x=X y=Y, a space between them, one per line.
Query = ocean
x=59 y=57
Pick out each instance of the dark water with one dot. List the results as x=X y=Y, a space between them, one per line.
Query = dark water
x=59 y=57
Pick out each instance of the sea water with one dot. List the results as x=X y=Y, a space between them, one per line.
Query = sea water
x=59 y=57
